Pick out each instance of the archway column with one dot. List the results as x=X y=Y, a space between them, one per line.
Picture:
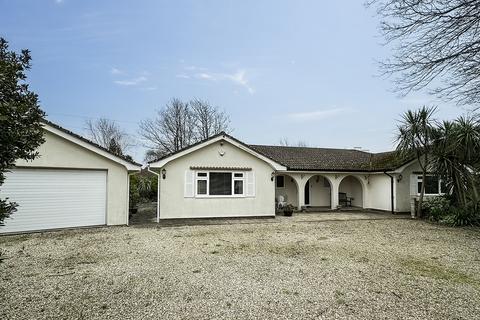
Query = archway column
x=335 y=185
x=300 y=179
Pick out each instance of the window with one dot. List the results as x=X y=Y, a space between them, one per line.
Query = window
x=238 y=179
x=280 y=181
x=202 y=183
x=433 y=185
x=220 y=183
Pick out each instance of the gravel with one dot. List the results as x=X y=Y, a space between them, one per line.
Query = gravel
x=299 y=268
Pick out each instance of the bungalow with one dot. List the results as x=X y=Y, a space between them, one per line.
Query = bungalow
x=224 y=177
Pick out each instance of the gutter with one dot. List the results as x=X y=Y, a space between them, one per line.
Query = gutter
x=158 y=191
x=391 y=192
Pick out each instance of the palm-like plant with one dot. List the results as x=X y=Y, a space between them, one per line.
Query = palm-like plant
x=414 y=138
x=456 y=157
x=144 y=186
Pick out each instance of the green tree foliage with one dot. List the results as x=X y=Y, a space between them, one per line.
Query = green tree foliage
x=415 y=133
x=143 y=188
x=451 y=151
x=20 y=115
x=456 y=158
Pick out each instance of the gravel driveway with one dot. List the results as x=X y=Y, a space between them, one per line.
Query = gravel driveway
x=296 y=269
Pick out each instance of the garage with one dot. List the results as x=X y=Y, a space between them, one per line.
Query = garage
x=73 y=183
x=51 y=199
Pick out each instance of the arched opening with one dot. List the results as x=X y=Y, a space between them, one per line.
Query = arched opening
x=318 y=193
x=350 y=192
x=286 y=191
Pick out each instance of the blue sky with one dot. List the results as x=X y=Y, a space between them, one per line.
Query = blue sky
x=304 y=70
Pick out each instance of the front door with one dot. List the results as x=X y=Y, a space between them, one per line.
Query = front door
x=307 y=193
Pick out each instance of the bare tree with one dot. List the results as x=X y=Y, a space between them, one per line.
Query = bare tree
x=170 y=131
x=152 y=155
x=285 y=143
x=108 y=134
x=436 y=43
x=302 y=143
x=180 y=124
x=208 y=120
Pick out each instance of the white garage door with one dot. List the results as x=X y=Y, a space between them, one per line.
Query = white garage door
x=51 y=198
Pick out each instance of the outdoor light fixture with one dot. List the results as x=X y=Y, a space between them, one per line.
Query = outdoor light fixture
x=400 y=177
x=164 y=174
x=273 y=176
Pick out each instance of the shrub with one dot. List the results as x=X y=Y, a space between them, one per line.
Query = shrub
x=436 y=208
x=462 y=217
x=440 y=209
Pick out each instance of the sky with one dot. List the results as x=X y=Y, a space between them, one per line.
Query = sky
x=301 y=70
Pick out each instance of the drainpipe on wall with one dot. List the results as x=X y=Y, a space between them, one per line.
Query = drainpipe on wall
x=391 y=192
x=158 y=192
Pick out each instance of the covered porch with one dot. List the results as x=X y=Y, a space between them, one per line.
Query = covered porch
x=320 y=191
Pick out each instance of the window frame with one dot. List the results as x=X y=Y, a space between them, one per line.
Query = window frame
x=207 y=178
x=440 y=182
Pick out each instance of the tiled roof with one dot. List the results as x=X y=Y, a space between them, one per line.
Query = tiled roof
x=318 y=159
x=325 y=159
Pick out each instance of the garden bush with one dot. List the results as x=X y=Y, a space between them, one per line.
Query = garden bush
x=462 y=217
x=436 y=208
x=440 y=209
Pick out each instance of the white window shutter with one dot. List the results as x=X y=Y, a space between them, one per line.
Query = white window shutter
x=250 y=192
x=413 y=185
x=189 y=184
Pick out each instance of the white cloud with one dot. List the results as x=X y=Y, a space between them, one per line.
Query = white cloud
x=131 y=82
x=116 y=71
x=239 y=78
x=182 y=76
x=318 y=114
x=206 y=76
x=58 y=1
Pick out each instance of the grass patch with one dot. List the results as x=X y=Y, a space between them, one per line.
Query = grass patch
x=436 y=271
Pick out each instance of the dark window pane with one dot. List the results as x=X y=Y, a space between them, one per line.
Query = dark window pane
x=238 y=187
x=280 y=181
x=202 y=174
x=431 y=185
x=238 y=175
x=220 y=183
x=202 y=187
